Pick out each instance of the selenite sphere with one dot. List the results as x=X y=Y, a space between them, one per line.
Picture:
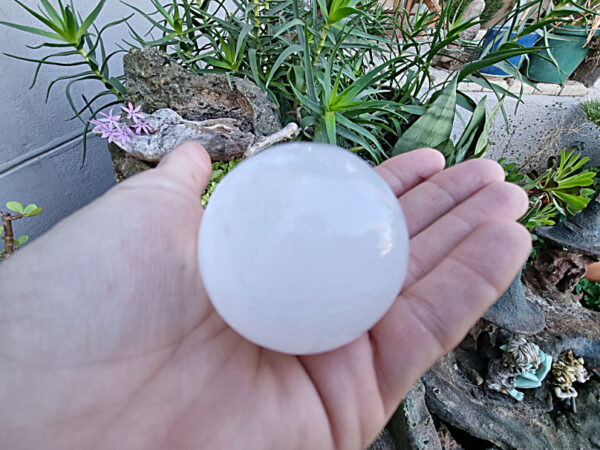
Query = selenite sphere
x=303 y=248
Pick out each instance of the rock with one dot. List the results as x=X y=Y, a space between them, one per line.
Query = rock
x=126 y=165
x=573 y=245
x=221 y=138
x=514 y=312
x=587 y=419
x=266 y=115
x=447 y=441
x=580 y=233
x=540 y=421
x=557 y=270
x=154 y=81
x=412 y=426
x=383 y=442
x=472 y=11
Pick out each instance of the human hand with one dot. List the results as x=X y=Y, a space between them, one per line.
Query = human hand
x=108 y=339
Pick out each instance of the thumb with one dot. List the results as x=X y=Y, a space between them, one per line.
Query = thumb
x=189 y=164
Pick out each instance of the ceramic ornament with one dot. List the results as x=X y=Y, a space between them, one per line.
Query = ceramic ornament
x=303 y=248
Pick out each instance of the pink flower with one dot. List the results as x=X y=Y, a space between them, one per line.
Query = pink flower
x=113 y=133
x=110 y=120
x=101 y=127
x=143 y=127
x=133 y=113
x=122 y=135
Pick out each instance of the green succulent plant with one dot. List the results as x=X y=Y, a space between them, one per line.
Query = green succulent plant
x=562 y=190
x=12 y=243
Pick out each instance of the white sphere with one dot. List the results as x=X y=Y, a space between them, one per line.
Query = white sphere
x=303 y=248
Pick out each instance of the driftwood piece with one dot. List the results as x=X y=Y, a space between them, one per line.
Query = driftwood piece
x=287 y=133
x=222 y=138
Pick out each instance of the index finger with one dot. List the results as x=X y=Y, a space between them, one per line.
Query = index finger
x=405 y=171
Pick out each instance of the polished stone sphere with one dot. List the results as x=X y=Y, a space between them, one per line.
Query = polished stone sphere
x=303 y=248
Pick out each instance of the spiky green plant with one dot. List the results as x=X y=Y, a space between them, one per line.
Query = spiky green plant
x=591 y=108
x=350 y=72
x=64 y=27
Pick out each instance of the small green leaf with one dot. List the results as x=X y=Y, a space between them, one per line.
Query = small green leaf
x=32 y=210
x=22 y=239
x=16 y=207
x=580 y=180
x=587 y=192
x=1 y=229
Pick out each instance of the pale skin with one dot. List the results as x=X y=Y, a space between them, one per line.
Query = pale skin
x=109 y=341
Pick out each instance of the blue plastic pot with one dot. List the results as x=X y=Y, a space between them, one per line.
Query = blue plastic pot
x=526 y=41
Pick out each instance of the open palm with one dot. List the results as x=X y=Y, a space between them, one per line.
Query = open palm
x=108 y=339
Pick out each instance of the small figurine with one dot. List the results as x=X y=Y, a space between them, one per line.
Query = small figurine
x=523 y=366
x=566 y=371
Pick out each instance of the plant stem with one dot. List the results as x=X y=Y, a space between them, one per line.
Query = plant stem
x=94 y=69
x=9 y=241
x=321 y=43
x=256 y=20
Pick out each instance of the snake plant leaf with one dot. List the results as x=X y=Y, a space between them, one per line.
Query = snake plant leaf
x=471 y=133
x=432 y=128
x=482 y=142
x=447 y=149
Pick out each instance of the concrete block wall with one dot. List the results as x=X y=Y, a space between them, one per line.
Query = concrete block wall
x=40 y=151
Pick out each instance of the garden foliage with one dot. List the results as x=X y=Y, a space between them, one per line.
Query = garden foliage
x=562 y=190
x=350 y=72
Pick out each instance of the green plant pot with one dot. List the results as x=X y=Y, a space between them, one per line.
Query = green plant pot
x=568 y=51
